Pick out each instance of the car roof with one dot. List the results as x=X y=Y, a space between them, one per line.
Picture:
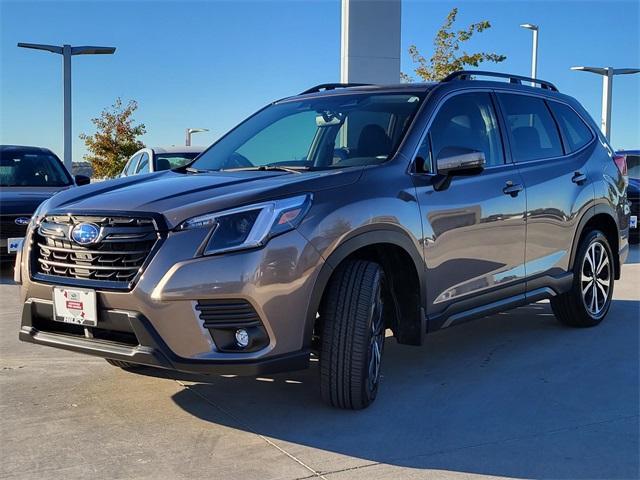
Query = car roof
x=459 y=79
x=178 y=149
x=25 y=148
x=338 y=89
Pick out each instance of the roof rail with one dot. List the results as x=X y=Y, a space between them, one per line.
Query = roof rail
x=332 y=86
x=518 y=79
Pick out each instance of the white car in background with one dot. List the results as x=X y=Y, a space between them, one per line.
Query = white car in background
x=155 y=159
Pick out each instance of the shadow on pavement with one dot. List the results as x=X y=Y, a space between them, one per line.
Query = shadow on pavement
x=514 y=395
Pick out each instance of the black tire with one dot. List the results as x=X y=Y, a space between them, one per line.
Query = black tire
x=576 y=308
x=121 y=364
x=353 y=328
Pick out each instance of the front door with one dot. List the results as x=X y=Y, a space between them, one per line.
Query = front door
x=474 y=229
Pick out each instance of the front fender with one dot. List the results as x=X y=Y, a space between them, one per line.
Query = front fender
x=363 y=237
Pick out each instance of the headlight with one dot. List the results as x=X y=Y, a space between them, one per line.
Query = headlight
x=251 y=226
x=37 y=215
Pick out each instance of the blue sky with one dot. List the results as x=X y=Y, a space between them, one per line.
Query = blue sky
x=211 y=63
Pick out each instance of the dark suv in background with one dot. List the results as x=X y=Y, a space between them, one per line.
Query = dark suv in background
x=28 y=176
x=632 y=159
x=327 y=218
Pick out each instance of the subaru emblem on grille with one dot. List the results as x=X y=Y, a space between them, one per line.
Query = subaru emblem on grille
x=22 y=220
x=85 y=233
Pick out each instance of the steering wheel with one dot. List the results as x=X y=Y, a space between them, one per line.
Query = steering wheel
x=237 y=160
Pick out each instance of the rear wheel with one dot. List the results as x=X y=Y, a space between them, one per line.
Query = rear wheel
x=121 y=364
x=589 y=299
x=353 y=335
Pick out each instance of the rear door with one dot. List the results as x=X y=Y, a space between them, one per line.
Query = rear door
x=551 y=146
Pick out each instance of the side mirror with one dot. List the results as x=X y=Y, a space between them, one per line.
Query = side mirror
x=82 y=180
x=456 y=161
x=459 y=160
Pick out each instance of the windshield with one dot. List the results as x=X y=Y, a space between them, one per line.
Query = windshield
x=28 y=168
x=326 y=132
x=169 y=161
x=633 y=166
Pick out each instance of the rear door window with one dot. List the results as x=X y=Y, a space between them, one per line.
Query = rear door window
x=575 y=132
x=131 y=166
x=143 y=166
x=532 y=129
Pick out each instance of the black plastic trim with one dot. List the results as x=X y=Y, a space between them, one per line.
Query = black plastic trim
x=332 y=86
x=485 y=304
x=152 y=350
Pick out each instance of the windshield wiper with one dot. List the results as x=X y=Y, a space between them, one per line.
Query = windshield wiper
x=195 y=170
x=263 y=168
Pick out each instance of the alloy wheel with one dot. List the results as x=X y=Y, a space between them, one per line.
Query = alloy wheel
x=376 y=342
x=596 y=279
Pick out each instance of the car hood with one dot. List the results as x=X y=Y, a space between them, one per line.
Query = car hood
x=24 y=200
x=179 y=196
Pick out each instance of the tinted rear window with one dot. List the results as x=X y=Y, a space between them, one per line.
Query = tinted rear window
x=576 y=133
x=532 y=130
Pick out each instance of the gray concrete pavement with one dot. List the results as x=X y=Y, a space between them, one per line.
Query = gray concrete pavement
x=512 y=395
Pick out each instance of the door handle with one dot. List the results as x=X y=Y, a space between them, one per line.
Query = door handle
x=579 y=178
x=511 y=189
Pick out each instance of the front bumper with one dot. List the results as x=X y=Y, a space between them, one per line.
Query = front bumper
x=150 y=350
x=161 y=312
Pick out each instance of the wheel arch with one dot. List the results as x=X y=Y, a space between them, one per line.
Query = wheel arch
x=388 y=243
x=599 y=217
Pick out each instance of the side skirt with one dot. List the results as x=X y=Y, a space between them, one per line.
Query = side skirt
x=543 y=288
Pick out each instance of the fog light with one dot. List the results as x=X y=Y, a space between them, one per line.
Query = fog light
x=242 y=337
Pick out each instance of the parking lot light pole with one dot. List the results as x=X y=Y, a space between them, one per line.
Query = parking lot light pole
x=607 y=91
x=189 y=131
x=534 y=53
x=67 y=51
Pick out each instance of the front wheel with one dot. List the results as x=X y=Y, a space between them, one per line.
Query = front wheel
x=589 y=299
x=353 y=334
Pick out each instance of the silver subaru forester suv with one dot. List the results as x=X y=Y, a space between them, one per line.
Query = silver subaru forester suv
x=328 y=218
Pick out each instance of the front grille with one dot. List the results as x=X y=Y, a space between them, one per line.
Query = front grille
x=114 y=260
x=635 y=205
x=227 y=314
x=9 y=228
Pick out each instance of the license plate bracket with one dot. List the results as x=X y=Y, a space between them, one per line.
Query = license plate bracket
x=75 y=305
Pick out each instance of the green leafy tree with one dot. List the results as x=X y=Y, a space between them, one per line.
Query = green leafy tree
x=447 y=56
x=115 y=139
